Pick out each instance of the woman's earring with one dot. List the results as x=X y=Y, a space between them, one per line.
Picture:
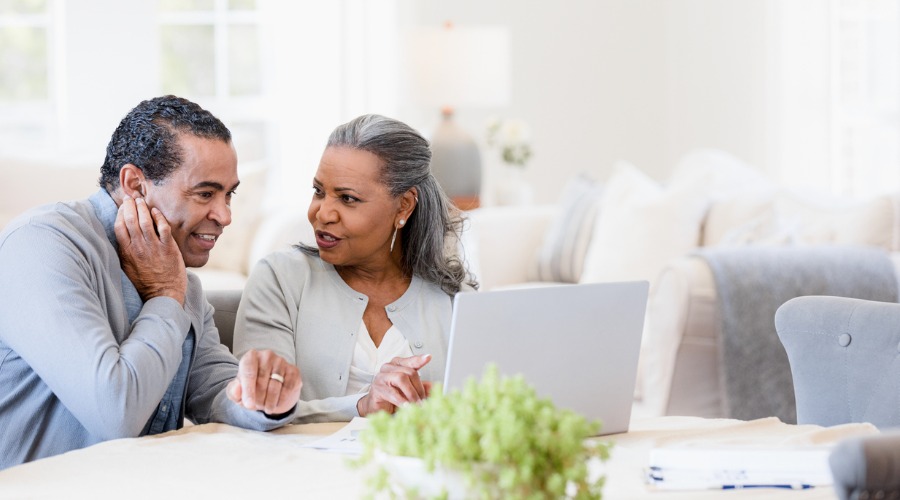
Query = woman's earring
x=394 y=237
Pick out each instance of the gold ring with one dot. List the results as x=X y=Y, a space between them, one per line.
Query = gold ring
x=277 y=377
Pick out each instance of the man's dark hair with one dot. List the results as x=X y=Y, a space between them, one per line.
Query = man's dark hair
x=148 y=138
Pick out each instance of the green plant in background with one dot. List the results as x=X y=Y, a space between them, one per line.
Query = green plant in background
x=497 y=434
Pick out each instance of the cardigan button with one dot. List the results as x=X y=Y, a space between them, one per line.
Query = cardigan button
x=418 y=344
x=844 y=339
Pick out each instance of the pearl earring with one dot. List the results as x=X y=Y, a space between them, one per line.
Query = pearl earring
x=394 y=236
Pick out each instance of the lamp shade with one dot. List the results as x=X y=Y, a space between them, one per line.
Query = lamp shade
x=454 y=68
x=461 y=66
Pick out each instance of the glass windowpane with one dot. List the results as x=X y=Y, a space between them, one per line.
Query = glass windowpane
x=23 y=63
x=241 y=4
x=188 y=60
x=186 y=5
x=13 y=7
x=243 y=60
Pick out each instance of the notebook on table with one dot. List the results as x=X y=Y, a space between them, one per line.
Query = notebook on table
x=575 y=344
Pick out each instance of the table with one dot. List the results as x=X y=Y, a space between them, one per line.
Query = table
x=220 y=461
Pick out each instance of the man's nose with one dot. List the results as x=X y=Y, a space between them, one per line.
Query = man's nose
x=221 y=212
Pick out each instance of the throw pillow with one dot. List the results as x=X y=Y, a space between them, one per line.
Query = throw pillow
x=561 y=255
x=642 y=226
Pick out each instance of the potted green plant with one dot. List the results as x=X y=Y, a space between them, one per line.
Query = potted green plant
x=493 y=439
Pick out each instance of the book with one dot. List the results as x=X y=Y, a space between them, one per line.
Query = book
x=735 y=468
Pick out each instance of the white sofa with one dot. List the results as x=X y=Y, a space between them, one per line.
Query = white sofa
x=679 y=372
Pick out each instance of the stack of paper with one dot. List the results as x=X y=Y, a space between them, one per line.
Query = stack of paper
x=727 y=468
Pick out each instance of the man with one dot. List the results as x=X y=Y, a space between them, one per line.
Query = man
x=103 y=332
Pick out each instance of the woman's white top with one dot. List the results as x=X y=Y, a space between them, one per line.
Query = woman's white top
x=367 y=359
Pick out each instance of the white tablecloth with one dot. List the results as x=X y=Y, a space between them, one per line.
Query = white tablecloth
x=219 y=461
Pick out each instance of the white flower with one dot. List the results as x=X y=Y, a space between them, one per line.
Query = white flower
x=511 y=137
x=514 y=133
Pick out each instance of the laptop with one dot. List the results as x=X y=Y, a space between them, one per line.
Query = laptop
x=575 y=344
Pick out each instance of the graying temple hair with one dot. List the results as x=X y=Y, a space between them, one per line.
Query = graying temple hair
x=430 y=235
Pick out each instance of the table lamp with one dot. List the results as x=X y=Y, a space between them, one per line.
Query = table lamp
x=455 y=67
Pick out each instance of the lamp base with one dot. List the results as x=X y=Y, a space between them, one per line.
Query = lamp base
x=456 y=163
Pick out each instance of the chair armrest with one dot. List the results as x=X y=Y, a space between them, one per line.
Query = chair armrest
x=679 y=364
x=225 y=303
x=500 y=243
x=867 y=467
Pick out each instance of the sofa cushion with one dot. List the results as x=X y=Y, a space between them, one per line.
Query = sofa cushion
x=561 y=255
x=641 y=226
x=233 y=247
x=787 y=217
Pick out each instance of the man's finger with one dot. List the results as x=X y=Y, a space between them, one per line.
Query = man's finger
x=274 y=384
x=128 y=213
x=247 y=374
x=145 y=221
x=290 y=389
x=121 y=230
x=162 y=226
x=233 y=390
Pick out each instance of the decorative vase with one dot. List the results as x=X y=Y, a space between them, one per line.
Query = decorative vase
x=456 y=163
x=411 y=474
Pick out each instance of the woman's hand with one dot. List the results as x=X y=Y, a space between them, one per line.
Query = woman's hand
x=396 y=384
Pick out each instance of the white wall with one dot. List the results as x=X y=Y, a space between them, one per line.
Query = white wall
x=588 y=77
x=649 y=80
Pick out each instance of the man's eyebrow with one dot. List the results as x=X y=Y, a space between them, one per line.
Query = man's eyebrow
x=214 y=185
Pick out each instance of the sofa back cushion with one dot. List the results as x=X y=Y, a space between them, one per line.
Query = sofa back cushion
x=787 y=217
x=28 y=184
x=561 y=255
x=641 y=226
x=232 y=249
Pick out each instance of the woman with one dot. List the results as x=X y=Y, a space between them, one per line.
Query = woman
x=366 y=313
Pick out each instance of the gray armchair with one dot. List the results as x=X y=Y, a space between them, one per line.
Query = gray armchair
x=226 y=304
x=845 y=363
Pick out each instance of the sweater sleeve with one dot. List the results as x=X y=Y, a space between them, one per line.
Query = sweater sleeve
x=214 y=367
x=266 y=319
x=62 y=312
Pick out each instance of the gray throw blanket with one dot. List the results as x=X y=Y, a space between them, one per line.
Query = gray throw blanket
x=751 y=283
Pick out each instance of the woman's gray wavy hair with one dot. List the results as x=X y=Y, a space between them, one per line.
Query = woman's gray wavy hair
x=430 y=237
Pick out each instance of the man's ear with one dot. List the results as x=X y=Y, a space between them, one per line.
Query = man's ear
x=131 y=181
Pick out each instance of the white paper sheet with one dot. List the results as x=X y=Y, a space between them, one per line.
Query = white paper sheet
x=342 y=441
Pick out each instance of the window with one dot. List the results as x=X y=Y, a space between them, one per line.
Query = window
x=25 y=69
x=866 y=96
x=210 y=52
x=838 y=95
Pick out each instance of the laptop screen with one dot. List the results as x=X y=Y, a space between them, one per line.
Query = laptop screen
x=575 y=344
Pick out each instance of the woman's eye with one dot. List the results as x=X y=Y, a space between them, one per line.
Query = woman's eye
x=317 y=191
x=349 y=199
